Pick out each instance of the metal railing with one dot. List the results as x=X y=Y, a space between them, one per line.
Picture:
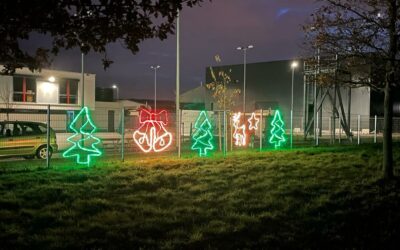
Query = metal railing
x=47 y=134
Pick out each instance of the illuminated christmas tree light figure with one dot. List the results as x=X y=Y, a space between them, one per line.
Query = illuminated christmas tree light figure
x=203 y=137
x=277 y=132
x=84 y=142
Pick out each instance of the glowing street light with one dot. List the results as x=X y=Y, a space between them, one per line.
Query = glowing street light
x=115 y=86
x=155 y=84
x=244 y=49
x=294 y=65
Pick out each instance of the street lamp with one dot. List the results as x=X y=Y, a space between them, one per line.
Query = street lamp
x=244 y=49
x=155 y=84
x=294 y=65
x=115 y=86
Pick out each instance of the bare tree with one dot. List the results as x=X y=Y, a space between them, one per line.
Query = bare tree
x=219 y=85
x=363 y=32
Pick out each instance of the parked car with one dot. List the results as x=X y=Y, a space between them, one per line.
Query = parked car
x=27 y=139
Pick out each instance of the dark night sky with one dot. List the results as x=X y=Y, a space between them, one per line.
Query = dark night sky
x=272 y=26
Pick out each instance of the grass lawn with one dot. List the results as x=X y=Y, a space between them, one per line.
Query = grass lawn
x=326 y=198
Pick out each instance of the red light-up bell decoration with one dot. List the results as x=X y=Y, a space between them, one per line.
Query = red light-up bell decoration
x=152 y=134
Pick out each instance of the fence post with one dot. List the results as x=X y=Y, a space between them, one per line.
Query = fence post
x=190 y=131
x=179 y=132
x=376 y=119
x=317 y=130
x=230 y=133
x=302 y=123
x=291 y=128
x=261 y=129
x=225 y=130
x=123 y=134
x=48 y=138
x=330 y=129
x=340 y=128
x=219 y=131
x=358 y=129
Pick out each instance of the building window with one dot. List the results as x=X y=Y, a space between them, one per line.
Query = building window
x=68 y=91
x=24 y=89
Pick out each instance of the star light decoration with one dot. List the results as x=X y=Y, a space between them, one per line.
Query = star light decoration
x=239 y=134
x=152 y=134
x=253 y=121
x=84 y=142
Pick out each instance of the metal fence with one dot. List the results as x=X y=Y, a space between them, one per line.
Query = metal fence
x=121 y=133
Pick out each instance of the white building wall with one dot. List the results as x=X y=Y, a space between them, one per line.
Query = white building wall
x=100 y=115
x=360 y=105
x=43 y=98
x=6 y=86
x=360 y=101
x=90 y=91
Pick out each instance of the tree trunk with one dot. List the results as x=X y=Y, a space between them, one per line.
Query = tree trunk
x=387 y=134
x=388 y=103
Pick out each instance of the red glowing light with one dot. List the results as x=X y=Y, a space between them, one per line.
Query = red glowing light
x=152 y=134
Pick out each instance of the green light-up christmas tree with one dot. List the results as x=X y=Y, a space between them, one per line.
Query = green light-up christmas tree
x=203 y=137
x=84 y=142
x=277 y=134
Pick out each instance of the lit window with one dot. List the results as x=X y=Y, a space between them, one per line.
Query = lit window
x=24 y=89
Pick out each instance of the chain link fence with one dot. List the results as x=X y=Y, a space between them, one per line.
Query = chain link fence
x=122 y=133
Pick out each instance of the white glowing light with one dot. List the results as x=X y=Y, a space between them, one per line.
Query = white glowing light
x=253 y=121
x=48 y=88
x=52 y=79
x=240 y=130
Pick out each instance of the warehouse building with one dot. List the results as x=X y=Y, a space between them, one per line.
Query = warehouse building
x=269 y=87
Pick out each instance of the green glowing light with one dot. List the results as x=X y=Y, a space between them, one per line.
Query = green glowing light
x=277 y=132
x=203 y=137
x=84 y=142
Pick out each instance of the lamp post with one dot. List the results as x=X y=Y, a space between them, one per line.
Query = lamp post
x=177 y=84
x=244 y=49
x=83 y=79
x=155 y=84
x=294 y=65
x=115 y=86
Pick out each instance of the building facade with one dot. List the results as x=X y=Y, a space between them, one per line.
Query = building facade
x=269 y=87
x=26 y=95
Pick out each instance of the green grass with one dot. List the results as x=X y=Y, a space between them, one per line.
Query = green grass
x=309 y=198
